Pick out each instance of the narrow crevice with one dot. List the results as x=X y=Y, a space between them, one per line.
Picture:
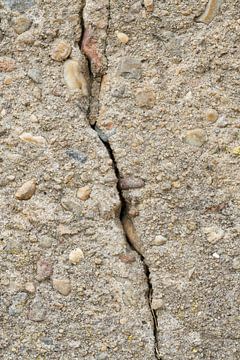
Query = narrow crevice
x=122 y=214
x=124 y=206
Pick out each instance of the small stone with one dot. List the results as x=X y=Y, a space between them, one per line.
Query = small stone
x=131 y=183
x=123 y=38
x=157 y=304
x=18 y=303
x=131 y=233
x=76 y=256
x=159 y=240
x=44 y=270
x=7 y=64
x=37 y=310
x=149 y=5
x=21 y=24
x=61 y=50
x=214 y=234
x=77 y=155
x=216 y=255
x=195 y=137
x=211 y=115
x=35 y=75
x=74 y=77
x=127 y=258
x=145 y=98
x=30 y=287
x=45 y=242
x=26 y=38
x=36 y=140
x=19 y=5
x=84 y=193
x=236 y=263
x=26 y=191
x=130 y=68
x=63 y=286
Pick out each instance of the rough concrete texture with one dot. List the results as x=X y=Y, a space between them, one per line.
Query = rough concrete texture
x=119 y=187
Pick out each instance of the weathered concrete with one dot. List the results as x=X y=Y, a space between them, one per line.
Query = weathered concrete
x=119 y=180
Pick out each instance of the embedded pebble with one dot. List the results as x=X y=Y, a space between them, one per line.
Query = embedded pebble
x=74 y=78
x=26 y=191
x=21 y=24
x=130 y=68
x=195 y=137
x=157 y=304
x=35 y=75
x=123 y=38
x=77 y=155
x=37 y=310
x=61 y=50
x=26 y=38
x=145 y=98
x=214 y=234
x=159 y=240
x=84 y=193
x=76 y=256
x=44 y=269
x=149 y=5
x=7 y=64
x=211 y=115
x=127 y=258
x=131 y=233
x=211 y=11
x=18 y=303
x=236 y=263
x=30 y=287
x=45 y=242
x=36 y=140
x=131 y=183
x=63 y=286
x=19 y=5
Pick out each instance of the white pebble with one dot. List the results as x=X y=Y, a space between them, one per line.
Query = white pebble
x=76 y=256
x=73 y=76
x=26 y=191
x=123 y=38
x=36 y=140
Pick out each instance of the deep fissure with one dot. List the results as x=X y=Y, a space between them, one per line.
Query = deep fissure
x=124 y=206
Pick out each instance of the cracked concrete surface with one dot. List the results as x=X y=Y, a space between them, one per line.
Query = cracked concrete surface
x=119 y=135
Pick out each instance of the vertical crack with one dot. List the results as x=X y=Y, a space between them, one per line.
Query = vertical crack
x=123 y=203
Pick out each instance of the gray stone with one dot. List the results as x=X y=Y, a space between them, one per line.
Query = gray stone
x=19 y=5
x=130 y=68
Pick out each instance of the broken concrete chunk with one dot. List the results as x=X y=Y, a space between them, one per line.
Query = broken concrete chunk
x=130 y=68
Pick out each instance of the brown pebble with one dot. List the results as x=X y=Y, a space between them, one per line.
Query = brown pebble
x=210 y=12
x=84 y=193
x=131 y=234
x=63 y=286
x=44 y=269
x=211 y=115
x=7 y=64
x=61 y=50
x=127 y=258
x=26 y=191
x=21 y=24
x=131 y=183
